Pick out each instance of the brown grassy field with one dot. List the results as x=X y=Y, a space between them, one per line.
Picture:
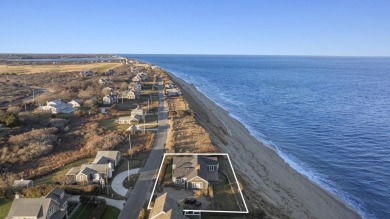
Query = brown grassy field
x=31 y=69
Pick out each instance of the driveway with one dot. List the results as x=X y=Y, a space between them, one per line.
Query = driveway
x=180 y=195
x=117 y=182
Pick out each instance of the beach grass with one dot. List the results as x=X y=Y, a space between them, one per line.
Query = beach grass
x=110 y=124
x=32 y=69
x=5 y=205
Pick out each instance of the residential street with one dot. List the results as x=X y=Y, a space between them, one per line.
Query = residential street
x=136 y=197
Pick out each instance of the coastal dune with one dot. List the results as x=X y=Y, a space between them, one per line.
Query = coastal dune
x=270 y=185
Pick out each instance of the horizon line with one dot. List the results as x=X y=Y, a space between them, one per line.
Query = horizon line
x=189 y=54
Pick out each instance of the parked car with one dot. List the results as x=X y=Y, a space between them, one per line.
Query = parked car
x=190 y=201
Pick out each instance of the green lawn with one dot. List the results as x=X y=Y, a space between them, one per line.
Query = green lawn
x=61 y=172
x=126 y=105
x=129 y=183
x=5 y=205
x=83 y=212
x=224 y=196
x=110 y=124
x=111 y=213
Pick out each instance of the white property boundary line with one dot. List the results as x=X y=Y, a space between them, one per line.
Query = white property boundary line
x=205 y=154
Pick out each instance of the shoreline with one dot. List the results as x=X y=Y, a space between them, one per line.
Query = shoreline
x=267 y=178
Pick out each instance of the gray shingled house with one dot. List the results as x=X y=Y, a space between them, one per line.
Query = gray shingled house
x=53 y=206
x=166 y=208
x=194 y=172
x=103 y=165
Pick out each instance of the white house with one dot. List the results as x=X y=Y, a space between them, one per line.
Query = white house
x=86 y=73
x=172 y=92
x=74 y=103
x=56 y=107
x=110 y=99
x=103 y=81
x=131 y=94
x=136 y=79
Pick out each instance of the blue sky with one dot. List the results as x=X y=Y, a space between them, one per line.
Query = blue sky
x=290 y=27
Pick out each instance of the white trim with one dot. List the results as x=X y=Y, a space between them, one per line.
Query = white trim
x=204 y=154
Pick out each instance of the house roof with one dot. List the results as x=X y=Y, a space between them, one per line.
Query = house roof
x=102 y=157
x=192 y=166
x=58 y=195
x=22 y=182
x=125 y=118
x=170 y=215
x=73 y=171
x=137 y=111
x=87 y=169
x=30 y=207
x=164 y=206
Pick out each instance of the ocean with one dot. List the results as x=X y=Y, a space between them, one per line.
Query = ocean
x=328 y=117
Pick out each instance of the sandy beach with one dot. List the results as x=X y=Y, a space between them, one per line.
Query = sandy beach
x=270 y=185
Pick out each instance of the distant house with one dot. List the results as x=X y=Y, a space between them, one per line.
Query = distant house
x=74 y=103
x=53 y=206
x=132 y=129
x=110 y=99
x=23 y=183
x=166 y=207
x=56 y=107
x=135 y=86
x=86 y=73
x=131 y=94
x=109 y=72
x=172 y=92
x=130 y=119
x=103 y=81
x=136 y=79
x=103 y=157
x=103 y=165
x=137 y=111
x=194 y=172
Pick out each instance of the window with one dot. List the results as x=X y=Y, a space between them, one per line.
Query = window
x=212 y=167
x=178 y=181
x=183 y=180
x=197 y=185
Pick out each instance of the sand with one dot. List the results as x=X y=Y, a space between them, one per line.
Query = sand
x=270 y=184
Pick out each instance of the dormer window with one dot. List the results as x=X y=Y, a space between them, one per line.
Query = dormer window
x=212 y=167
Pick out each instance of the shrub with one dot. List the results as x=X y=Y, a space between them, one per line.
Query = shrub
x=9 y=119
x=37 y=191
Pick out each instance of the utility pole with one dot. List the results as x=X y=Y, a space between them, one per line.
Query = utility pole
x=107 y=180
x=131 y=154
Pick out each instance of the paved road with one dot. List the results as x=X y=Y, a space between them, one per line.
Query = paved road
x=117 y=182
x=140 y=192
